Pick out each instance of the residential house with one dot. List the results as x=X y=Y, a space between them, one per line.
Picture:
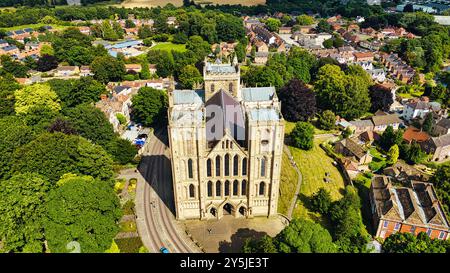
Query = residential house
x=85 y=71
x=114 y=105
x=420 y=108
x=172 y=21
x=414 y=135
x=85 y=30
x=368 y=137
x=353 y=28
x=261 y=57
x=133 y=67
x=442 y=127
x=381 y=122
x=363 y=56
x=311 y=40
x=361 y=126
x=152 y=68
x=285 y=30
x=410 y=209
x=65 y=70
x=439 y=147
x=349 y=148
x=261 y=46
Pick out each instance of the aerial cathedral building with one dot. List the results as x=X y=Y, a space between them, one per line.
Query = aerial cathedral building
x=226 y=144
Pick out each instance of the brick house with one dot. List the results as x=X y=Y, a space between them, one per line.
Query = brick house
x=412 y=209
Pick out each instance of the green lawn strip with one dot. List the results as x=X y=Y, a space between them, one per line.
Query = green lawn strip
x=129 y=245
x=128 y=226
x=362 y=183
x=313 y=164
x=168 y=46
x=288 y=185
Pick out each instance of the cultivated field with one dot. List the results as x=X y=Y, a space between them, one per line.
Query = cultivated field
x=155 y=3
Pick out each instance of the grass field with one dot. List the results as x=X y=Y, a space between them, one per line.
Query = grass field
x=169 y=46
x=179 y=3
x=288 y=185
x=289 y=126
x=34 y=26
x=313 y=164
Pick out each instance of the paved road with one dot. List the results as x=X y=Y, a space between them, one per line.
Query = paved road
x=154 y=200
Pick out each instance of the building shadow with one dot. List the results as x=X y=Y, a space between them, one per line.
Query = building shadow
x=238 y=239
x=161 y=134
x=156 y=170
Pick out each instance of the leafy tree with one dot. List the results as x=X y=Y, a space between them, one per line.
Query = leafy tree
x=327 y=120
x=229 y=28
x=22 y=207
x=53 y=155
x=122 y=150
x=7 y=100
x=300 y=62
x=189 y=76
x=14 y=133
x=129 y=24
x=328 y=43
x=90 y=123
x=262 y=76
x=302 y=136
x=321 y=201
x=149 y=106
x=338 y=42
x=428 y=123
x=413 y=153
x=180 y=38
x=13 y=67
x=145 y=71
x=347 y=132
x=273 y=24
x=36 y=95
x=63 y=126
x=46 y=63
x=107 y=69
x=441 y=182
x=47 y=50
x=345 y=94
x=298 y=101
x=380 y=97
x=81 y=210
x=393 y=154
x=304 y=20
x=349 y=232
x=303 y=236
x=389 y=138
x=402 y=242
x=144 y=32
x=323 y=26
x=264 y=245
x=164 y=62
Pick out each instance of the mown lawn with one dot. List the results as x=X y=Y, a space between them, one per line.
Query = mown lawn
x=168 y=46
x=288 y=185
x=313 y=164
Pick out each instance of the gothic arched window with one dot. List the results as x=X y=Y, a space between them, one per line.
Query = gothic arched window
x=218 y=188
x=263 y=167
x=244 y=187
x=190 y=170
x=210 y=189
x=212 y=88
x=209 y=167
x=227 y=165
x=191 y=191
x=244 y=166
x=230 y=87
x=236 y=165
x=227 y=188
x=235 y=188
x=262 y=188
x=218 y=165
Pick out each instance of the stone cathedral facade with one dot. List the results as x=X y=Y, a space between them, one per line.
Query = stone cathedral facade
x=226 y=144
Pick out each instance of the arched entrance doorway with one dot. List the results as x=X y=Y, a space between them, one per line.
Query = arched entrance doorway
x=242 y=211
x=227 y=209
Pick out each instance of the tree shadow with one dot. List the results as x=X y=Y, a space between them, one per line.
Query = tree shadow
x=306 y=201
x=157 y=172
x=238 y=239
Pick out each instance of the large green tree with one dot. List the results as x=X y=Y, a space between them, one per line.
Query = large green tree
x=107 y=69
x=189 y=76
x=7 y=100
x=149 y=106
x=36 y=95
x=403 y=242
x=81 y=210
x=22 y=207
x=302 y=136
x=54 y=154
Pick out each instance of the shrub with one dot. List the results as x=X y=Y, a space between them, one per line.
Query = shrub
x=129 y=245
x=128 y=208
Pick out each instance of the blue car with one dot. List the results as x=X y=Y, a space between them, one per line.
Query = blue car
x=164 y=250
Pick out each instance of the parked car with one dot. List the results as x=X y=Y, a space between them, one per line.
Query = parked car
x=164 y=250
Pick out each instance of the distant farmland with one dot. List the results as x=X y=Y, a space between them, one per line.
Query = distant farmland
x=155 y=3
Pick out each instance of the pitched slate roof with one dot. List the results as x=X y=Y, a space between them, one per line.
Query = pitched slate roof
x=386 y=119
x=224 y=113
x=445 y=123
x=258 y=93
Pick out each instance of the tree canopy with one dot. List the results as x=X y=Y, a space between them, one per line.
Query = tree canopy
x=298 y=101
x=149 y=106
